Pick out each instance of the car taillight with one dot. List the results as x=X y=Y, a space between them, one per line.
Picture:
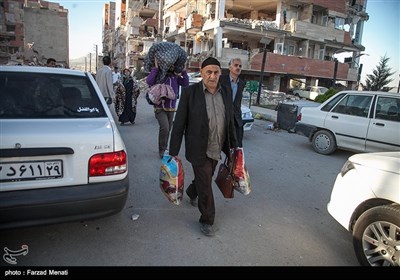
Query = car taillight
x=107 y=164
x=298 y=117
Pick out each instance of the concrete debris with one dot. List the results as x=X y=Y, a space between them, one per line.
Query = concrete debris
x=135 y=217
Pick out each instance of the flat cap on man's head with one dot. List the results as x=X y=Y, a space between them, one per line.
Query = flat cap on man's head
x=210 y=61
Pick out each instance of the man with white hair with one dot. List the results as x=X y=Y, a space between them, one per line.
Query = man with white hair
x=236 y=87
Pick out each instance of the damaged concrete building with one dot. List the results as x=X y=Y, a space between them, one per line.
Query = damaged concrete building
x=299 y=39
x=130 y=28
x=32 y=31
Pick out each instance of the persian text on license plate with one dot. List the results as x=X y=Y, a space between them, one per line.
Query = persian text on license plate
x=21 y=171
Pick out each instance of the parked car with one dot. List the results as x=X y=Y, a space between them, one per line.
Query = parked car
x=194 y=77
x=361 y=121
x=310 y=92
x=365 y=200
x=247 y=118
x=61 y=156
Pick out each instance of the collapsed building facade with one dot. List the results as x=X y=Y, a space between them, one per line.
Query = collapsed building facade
x=32 y=31
x=287 y=39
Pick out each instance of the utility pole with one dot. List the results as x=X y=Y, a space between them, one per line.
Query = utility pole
x=264 y=41
x=335 y=73
x=261 y=75
x=359 y=75
x=85 y=64
x=356 y=63
x=160 y=21
x=97 y=56
x=90 y=62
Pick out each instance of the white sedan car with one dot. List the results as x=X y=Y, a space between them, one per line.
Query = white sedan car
x=365 y=200
x=62 y=157
x=361 y=121
x=310 y=92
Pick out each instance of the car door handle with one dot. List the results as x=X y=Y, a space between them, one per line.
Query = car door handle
x=334 y=117
x=379 y=124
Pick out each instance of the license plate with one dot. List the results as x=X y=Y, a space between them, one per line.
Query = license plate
x=34 y=170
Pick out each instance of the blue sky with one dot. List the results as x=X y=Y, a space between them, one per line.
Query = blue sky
x=380 y=37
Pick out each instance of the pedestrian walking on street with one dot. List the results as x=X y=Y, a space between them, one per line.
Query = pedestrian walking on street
x=165 y=111
x=236 y=86
x=205 y=118
x=104 y=79
x=116 y=76
x=126 y=96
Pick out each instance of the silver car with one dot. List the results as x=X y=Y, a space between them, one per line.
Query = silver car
x=361 y=121
x=61 y=155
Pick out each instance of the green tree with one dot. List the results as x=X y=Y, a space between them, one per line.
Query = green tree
x=380 y=77
x=251 y=87
x=329 y=93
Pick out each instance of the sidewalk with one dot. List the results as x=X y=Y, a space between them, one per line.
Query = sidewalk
x=263 y=113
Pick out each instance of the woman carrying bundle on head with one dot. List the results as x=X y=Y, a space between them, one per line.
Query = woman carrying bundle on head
x=168 y=69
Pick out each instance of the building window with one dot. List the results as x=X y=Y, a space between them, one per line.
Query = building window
x=291 y=50
x=10 y=28
x=279 y=48
x=324 y=20
x=321 y=53
x=339 y=23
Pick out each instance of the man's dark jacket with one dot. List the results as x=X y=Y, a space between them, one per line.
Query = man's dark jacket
x=191 y=120
x=225 y=80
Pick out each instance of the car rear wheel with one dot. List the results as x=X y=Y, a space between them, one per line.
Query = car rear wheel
x=324 y=142
x=376 y=236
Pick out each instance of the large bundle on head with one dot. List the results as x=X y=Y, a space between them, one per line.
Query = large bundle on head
x=167 y=54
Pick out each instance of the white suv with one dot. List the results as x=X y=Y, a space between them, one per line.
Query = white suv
x=361 y=121
x=61 y=155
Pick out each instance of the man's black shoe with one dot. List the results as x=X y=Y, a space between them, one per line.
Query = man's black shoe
x=207 y=229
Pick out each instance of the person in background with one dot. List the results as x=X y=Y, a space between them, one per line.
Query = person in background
x=116 y=76
x=51 y=62
x=164 y=113
x=205 y=118
x=126 y=98
x=236 y=86
x=104 y=79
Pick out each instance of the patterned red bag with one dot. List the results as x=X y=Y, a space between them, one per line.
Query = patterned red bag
x=240 y=173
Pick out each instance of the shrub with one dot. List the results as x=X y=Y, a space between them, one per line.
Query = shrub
x=322 y=98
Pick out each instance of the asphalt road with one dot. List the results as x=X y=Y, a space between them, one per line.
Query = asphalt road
x=282 y=222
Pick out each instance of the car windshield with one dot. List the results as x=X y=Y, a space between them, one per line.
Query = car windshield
x=40 y=95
